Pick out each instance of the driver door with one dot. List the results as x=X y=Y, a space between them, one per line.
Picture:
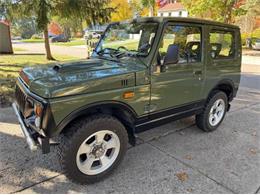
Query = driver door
x=179 y=85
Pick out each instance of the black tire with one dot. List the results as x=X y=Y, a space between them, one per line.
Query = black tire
x=202 y=120
x=75 y=135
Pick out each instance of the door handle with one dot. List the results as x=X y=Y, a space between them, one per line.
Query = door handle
x=197 y=72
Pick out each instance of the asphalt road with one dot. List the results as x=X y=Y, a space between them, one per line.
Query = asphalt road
x=38 y=48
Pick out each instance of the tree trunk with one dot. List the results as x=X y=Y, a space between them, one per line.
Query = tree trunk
x=151 y=11
x=66 y=30
x=47 y=44
x=228 y=12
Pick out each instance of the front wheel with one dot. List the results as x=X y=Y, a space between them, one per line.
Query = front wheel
x=93 y=149
x=214 y=112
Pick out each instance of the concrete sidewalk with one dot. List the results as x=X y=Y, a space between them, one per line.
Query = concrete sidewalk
x=174 y=158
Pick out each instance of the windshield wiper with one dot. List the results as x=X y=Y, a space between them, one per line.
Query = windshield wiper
x=102 y=52
x=135 y=55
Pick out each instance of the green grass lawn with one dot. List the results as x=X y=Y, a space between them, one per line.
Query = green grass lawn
x=18 y=49
x=32 y=40
x=73 y=42
x=10 y=66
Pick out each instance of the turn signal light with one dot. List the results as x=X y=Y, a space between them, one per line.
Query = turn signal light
x=38 y=110
x=128 y=94
x=24 y=77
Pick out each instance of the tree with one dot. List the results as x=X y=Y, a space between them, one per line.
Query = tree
x=42 y=19
x=92 y=11
x=40 y=9
x=252 y=7
x=151 y=5
x=219 y=10
x=248 y=20
x=123 y=10
x=25 y=27
x=138 y=9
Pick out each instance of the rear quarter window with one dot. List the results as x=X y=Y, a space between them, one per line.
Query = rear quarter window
x=222 y=44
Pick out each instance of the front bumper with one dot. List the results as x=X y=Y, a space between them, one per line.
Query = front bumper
x=34 y=140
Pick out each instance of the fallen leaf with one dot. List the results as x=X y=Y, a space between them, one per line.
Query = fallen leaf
x=182 y=176
x=188 y=157
x=253 y=151
x=181 y=133
x=190 y=190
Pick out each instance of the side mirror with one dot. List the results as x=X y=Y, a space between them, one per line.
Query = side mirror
x=172 y=55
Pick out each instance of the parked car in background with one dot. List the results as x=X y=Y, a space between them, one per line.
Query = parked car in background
x=256 y=43
x=59 y=38
x=92 y=35
x=253 y=43
x=16 y=38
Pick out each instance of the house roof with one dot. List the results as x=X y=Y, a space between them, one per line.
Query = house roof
x=172 y=7
x=4 y=22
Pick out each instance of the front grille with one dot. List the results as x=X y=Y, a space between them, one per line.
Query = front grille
x=20 y=98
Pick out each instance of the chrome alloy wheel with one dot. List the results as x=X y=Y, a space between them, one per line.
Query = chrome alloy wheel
x=217 y=112
x=98 y=152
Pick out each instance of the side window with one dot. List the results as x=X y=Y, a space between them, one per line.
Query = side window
x=222 y=44
x=187 y=38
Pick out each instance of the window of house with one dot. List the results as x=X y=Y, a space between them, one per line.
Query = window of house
x=170 y=14
x=222 y=44
x=188 y=40
x=180 y=13
x=161 y=14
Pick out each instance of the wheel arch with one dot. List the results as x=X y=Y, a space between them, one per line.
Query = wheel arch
x=123 y=112
x=227 y=86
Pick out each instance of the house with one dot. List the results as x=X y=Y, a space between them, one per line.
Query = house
x=173 y=8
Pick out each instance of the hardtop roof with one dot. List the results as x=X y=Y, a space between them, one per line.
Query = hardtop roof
x=184 y=20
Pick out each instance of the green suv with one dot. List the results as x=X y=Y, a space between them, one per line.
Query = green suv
x=142 y=73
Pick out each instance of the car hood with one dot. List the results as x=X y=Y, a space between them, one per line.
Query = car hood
x=78 y=77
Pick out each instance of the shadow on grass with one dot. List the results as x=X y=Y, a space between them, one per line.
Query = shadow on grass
x=24 y=54
x=12 y=66
x=11 y=71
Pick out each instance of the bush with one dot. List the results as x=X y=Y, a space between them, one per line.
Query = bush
x=37 y=36
x=256 y=33
x=244 y=36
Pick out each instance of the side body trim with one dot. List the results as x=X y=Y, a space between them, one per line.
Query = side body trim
x=168 y=115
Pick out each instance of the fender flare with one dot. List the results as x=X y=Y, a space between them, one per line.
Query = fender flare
x=94 y=106
x=228 y=82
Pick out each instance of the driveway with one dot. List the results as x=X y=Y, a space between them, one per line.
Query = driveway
x=174 y=158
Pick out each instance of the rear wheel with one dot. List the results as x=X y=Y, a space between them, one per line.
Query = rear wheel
x=93 y=148
x=214 y=112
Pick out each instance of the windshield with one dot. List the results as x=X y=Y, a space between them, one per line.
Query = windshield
x=127 y=38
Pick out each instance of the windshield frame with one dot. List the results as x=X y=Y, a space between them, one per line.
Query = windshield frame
x=95 y=52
